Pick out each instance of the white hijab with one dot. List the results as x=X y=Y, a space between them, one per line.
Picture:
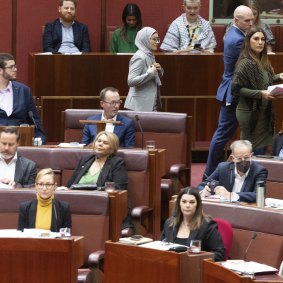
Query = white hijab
x=142 y=42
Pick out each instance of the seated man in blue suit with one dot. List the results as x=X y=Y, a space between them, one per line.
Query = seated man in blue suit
x=16 y=102
x=236 y=180
x=65 y=35
x=110 y=102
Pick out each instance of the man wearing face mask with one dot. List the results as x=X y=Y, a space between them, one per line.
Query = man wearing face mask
x=236 y=180
x=15 y=170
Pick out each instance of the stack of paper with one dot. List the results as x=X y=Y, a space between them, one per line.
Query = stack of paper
x=276 y=90
x=248 y=267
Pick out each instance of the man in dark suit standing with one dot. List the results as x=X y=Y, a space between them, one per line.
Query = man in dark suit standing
x=15 y=170
x=236 y=180
x=227 y=123
x=16 y=102
x=65 y=35
x=110 y=103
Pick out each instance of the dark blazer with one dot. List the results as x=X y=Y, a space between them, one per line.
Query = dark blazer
x=114 y=170
x=61 y=215
x=22 y=103
x=211 y=240
x=125 y=132
x=225 y=174
x=233 y=42
x=25 y=172
x=52 y=36
x=277 y=144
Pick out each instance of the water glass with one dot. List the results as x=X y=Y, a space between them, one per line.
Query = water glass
x=109 y=187
x=150 y=144
x=195 y=246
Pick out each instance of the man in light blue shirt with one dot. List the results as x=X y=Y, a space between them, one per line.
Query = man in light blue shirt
x=65 y=35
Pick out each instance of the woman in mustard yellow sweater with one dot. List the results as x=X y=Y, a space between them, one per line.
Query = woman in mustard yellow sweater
x=45 y=212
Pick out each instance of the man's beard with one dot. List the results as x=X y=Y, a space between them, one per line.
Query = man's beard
x=7 y=155
x=68 y=18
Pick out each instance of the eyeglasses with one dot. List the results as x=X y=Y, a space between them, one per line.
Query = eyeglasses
x=114 y=102
x=12 y=67
x=244 y=158
x=156 y=39
x=47 y=186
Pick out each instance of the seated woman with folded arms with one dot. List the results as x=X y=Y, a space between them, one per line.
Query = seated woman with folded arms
x=103 y=166
x=45 y=212
x=189 y=222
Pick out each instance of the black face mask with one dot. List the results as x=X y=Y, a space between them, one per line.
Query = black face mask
x=243 y=166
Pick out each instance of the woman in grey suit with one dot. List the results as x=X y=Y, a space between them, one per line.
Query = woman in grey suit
x=144 y=73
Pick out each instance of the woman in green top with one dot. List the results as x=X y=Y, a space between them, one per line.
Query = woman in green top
x=253 y=75
x=123 y=38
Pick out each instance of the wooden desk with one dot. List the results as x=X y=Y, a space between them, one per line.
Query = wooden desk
x=215 y=273
x=127 y=264
x=189 y=85
x=27 y=260
x=246 y=219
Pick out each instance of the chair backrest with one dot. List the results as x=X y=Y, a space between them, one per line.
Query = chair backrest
x=109 y=33
x=171 y=131
x=90 y=214
x=226 y=231
x=219 y=31
x=144 y=172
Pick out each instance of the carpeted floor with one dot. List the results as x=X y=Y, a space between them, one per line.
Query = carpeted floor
x=197 y=172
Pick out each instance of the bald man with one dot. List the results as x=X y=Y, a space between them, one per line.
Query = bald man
x=227 y=123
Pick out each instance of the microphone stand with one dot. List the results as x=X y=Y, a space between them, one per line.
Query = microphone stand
x=140 y=127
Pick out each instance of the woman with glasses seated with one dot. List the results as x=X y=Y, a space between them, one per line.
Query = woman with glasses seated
x=236 y=180
x=144 y=73
x=45 y=212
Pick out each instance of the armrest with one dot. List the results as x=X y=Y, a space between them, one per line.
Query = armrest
x=176 y=169
x=140 y=215
x=96 y=260
x=180 y=176
x=140 y=211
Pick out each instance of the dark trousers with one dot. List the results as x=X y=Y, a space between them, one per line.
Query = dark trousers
x=227 y=125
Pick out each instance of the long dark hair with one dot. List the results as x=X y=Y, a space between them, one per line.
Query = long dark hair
x=199 y=215
x=131 y=9
x=262 y=60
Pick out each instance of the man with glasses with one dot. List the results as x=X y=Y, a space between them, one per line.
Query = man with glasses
x=110 y=103
x=15 y=170
x=235 y=180
x=16 y=102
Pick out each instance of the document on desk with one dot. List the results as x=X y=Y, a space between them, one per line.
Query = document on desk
x=160 y=245
x=248 y=267
x=5 y=186
x=71 y=144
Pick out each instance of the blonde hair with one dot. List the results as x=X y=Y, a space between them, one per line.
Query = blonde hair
x=187 y=2
x=112 y=139
x=44 y=172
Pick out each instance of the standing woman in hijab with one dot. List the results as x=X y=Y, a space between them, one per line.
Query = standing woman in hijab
x=144 y=73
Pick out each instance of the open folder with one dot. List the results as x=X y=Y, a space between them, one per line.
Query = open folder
x=243 y=267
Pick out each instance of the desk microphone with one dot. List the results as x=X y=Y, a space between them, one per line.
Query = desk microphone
x=246 y=251
x=141 y=130
x=30 y=114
